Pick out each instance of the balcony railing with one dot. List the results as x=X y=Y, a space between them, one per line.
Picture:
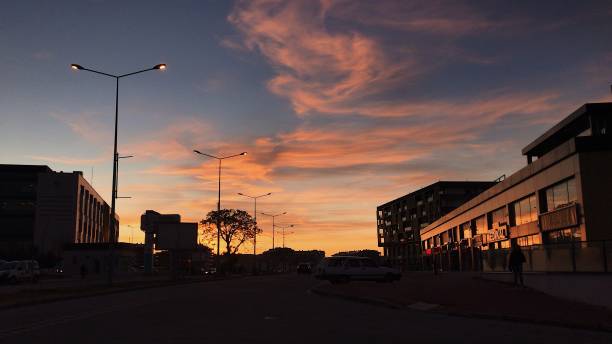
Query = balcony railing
x=560 y=218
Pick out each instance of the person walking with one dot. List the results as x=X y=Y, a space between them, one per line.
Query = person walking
x=515 y=263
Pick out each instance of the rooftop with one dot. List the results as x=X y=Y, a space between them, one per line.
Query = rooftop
x=590 y=116
x=441 y=183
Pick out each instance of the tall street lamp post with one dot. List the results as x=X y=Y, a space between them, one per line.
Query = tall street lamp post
x=219 y=194
x=254 y=198
x=112 y=237
x=273 y=217
x=283 y=231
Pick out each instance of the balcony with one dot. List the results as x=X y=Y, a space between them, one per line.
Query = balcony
x=563 y=217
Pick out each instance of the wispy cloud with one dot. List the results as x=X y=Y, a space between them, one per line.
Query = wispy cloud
x=85 y=125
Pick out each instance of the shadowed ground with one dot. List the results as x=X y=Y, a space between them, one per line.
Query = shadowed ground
x=267 y=309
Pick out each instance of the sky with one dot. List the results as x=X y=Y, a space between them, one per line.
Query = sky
x=341 y=105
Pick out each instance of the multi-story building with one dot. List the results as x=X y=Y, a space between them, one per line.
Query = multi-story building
x=42 y=210
x=563 y=195
x=399 y=221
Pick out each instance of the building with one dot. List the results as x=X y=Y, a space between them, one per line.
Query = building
x=42 y=210
x=166 y=232
x=93 y=258
x=399 y=221
x=563 y=195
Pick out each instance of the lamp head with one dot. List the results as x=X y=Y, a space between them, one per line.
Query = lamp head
x=197 y=151
x=76 y=66
x=243 y=153
x=160 y=66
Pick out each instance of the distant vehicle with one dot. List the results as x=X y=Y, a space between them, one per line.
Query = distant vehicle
x=304 y=268
x=209 y=271
x=343 y=269
x=19 y=270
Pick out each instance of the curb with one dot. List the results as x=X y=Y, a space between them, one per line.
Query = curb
x=471 y=315
x=101 y=292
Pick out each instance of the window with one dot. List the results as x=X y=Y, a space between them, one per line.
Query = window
x=445 y=238
x=466 y=230
x=561 y=194
x=525 y=210
x=498 y=218
x=564 y=235
x=529 y=240
x=479 y=225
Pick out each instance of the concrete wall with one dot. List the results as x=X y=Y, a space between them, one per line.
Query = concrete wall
x=596 y=171
x=68 y=211
x=55 y=212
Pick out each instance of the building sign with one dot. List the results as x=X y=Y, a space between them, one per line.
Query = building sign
x=498 y=234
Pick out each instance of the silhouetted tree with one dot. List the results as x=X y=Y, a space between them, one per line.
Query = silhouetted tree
x=237 y=226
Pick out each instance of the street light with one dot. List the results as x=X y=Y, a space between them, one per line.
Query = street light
x=273 y=217
x=283 y=231
x=254 y=198
x=219 y=194
x=75 y=66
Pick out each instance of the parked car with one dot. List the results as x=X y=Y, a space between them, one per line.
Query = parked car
x=304 y=268
x=343 y=269
x=19 y=270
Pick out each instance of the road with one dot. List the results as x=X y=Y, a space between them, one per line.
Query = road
x=265 y=309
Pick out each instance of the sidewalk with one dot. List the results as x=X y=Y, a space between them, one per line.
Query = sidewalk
x=588 y=288
x=468 y=295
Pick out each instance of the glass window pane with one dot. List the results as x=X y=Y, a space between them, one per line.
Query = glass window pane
x=536 y=240
x=571 y=190
x=560 y=194
x=517 y=213
x=525 y=209
x=533 y=204
x=480 y=225
x=550 y=200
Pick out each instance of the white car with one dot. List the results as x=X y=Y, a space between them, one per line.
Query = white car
x=343 y=269
x=19 y=270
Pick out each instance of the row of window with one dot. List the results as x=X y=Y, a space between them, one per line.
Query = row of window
x=520 y=212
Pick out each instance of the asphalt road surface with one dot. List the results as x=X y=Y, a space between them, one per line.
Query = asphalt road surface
x=264 y=309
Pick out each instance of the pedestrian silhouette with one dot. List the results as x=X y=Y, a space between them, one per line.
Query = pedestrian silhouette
x=515 y=263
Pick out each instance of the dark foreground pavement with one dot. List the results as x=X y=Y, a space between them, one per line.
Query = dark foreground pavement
x=471 y=295
x=256 y=310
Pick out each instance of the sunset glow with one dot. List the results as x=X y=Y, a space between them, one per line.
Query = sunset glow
x=341 y=105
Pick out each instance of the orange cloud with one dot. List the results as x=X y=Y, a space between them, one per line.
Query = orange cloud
x=316 y=68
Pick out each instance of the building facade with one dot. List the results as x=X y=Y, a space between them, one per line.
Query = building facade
x=399 y=221
x=41 y=211
x=563 y=195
